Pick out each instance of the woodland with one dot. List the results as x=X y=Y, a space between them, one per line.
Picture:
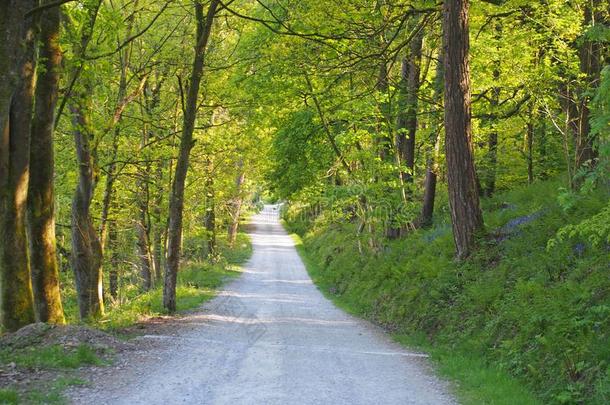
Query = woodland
x=445 y=166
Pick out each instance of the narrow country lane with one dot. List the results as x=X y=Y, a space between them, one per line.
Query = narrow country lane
x=270 y=337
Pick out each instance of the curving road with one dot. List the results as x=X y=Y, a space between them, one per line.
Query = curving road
x=270 y=337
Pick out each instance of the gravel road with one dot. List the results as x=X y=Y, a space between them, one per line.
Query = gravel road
x=270 y=337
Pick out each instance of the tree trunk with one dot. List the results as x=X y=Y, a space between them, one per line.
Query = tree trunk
x=108 y=190
x=124 y=60
x=113 y=273
x=590 y=56
x=384 y=135
x=17 y=87
x=158 y=225
x=86 y=247
x=143 y=222
x=466 y=214
x=432 y=166
x=237 y=204
x=541 y=144
x=144 y=252
x=529 y=142
x=492 y=161
x=209 y=219
x=407 y=124
x=176 y=203
x=41 y=193
x=489 y=186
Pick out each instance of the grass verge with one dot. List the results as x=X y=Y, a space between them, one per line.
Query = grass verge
x=197 y=281
x=52 y=368
x=59 y=361
x=473 y=381
x=527 y=311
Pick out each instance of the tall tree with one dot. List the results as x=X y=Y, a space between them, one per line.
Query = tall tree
x=87 y=252
x=86 y=246
x=176 y=202
x=209 y=218
x=466 y=216
x=489 y=180
x=407 y=122
x=17 y=64
x=41 y=193
x=236 y=204
x=432 y=164
x=590 y=55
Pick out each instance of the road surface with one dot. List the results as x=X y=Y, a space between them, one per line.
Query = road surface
x=270 y=337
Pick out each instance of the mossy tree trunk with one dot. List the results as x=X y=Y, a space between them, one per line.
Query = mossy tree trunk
x=17 y=63
x=590 y=54
x=41 y=194
x=86 y=247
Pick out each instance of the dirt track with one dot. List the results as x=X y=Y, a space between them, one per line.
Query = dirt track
x=270 y=337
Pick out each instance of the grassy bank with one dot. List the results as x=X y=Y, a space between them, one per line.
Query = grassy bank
x=197 y=280
x=517 y=318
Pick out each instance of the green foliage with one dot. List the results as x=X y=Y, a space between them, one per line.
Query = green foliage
x=48 y=395
x=594 y=230
x=541 y=317
x=478 y=381
x=55 y=356
x=197 y=281
x=299 y=155
x=9 y=396
x=240 y=253
x=196 y=284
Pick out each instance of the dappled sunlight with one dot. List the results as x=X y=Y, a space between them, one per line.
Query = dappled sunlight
x=248 y=320
x=250 y=271
x=287 y=281
x=286 y=298
x=271 y=241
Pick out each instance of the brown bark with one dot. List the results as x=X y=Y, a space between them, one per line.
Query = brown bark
x=17 y=91
x=237 y=204
x=209 y=219
x=176 y=203
x=86 y=247
x=113 y=272
x=86 y=256
x=109 y=190
x=143 y=244
x=41 y=193
x=529 y=138
x=407 y=123
x=149 y=226
x=590 y=56
x=466 y=216
x=158 y=225
x=143 y=222
x=384 y=135
x=529 y=152
x=432 y=166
